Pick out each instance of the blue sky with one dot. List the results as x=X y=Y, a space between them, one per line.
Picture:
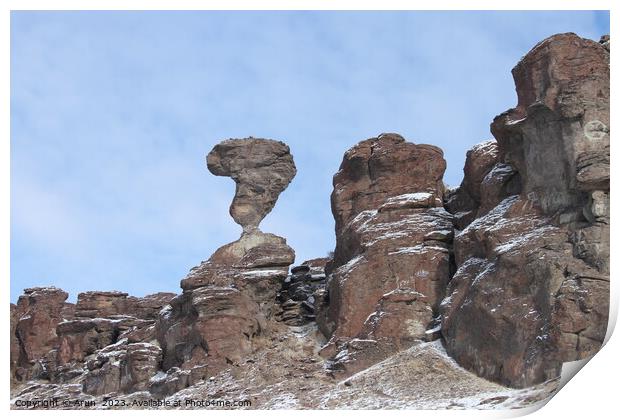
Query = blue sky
x=112 y=114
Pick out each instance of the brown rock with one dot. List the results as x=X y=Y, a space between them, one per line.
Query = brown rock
x=261 y=169
x=15 y=346
x=557 y=137
x=109 y=304
x=208 y=325
x=36 y=315
x=122 y=367
x=372 y=171
x=391 y=262
x=100 y=304
x=81 y=338
x=255 y=264
x=148 y=307
x=486 y=182
x=531 y=290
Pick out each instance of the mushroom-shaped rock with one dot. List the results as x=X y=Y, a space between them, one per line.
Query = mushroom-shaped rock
x=261 y=168
x=227 y=299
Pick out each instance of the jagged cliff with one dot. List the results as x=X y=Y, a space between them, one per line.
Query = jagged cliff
x=465 y=291
x=533 y=264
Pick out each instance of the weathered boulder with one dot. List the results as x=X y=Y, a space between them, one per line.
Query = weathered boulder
x=531 y=288
x=261 y=169
x=393 y=237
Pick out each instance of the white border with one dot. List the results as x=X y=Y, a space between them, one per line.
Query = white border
x=592 y=394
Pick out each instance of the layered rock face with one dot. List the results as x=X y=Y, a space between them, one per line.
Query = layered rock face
x=532 y=286
x=391 y=262
x=102 y=342
x=226 y=299
x=33 y=325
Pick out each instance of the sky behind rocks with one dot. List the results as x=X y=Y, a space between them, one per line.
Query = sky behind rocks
x=112 y=114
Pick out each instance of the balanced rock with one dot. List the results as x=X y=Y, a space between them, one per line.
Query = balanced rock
x=392 y=258
x=226 y=299
x=531 y=290
x=257 y=261
x=261 y=169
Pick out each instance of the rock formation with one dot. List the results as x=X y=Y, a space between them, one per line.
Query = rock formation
x=61 y=342
x=391 y=262
x=261 y=169
x=110 y=342
x=35 y=317
x=299 y=292
x=533 y=253
x=510 y=270
x=226 y=299
x=257 y=261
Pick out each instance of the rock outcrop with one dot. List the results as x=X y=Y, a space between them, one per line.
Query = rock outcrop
x=532 y=286
x=486 y=181
x=122 y=367
x=110 y=342
x=393 y=238
x=35 y=318
x=63 y=343
x=97 y=304
x=227 y=299
x=213 y=325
